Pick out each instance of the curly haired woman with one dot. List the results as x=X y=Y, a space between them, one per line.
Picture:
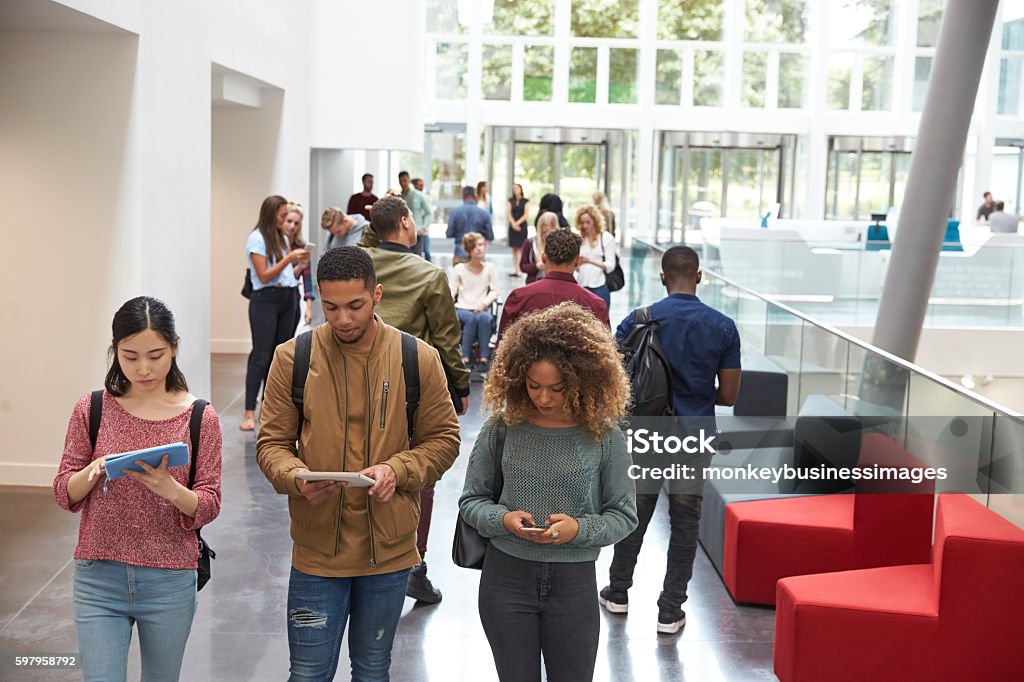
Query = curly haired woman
x=557 y=391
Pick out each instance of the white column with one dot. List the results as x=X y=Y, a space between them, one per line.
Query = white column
x=817 y=176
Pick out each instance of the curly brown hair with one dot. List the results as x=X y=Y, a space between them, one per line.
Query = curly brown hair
x=584 y=351
x=595 y=215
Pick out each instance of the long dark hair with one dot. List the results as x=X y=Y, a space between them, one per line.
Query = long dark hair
x=272 y=237
x=138 y=315
x=552 y=203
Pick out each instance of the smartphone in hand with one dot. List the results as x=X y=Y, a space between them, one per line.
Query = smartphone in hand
x=536 y=528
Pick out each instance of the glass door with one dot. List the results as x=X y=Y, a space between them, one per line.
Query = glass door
x=581 y=172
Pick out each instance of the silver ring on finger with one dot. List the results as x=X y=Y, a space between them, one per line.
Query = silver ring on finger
x=555 y=535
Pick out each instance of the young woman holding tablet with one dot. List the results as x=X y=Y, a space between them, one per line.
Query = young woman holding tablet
x=135 y=563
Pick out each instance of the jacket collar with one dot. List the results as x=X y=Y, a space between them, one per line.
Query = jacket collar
x=380 y=341
x=563 y=276
x=394 y=246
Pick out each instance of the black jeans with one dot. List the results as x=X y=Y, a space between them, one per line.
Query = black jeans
x=684 y=515
x=529 y=607
x=273 y=318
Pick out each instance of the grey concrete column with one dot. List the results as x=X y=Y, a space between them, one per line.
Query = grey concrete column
x=938 y=154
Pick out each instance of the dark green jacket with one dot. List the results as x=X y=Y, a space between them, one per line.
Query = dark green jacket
x=417 y=300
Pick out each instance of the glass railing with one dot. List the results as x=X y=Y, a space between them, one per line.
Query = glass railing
x=979 y=443
x=976 y=284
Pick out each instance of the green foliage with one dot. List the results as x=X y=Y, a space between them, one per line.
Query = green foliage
x=496 y=76
x=755 y=74
x=668 y=77
x=538 y=71
x=522 y=18
x=605 y=18
x=583 y=75
x=690 y=19
x=776 y=21
x=622 y=76
x=929 y=18
x=792 y=72
x=707 y=78
x=877 y=89
x=451 y=70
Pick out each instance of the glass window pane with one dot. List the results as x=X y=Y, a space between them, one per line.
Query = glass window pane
x=448 y=171
x=1011 y=74
x=668 y=77
x=856 y=22
x=752 y=182
x=875 y=178
x=522 y=18
x=929 y=19
x=535 y=169
x=450 y=71
x=443 y=17
x=581 y=175
x=877 y=85
x=922 y=71
x=1013 y=26
x=840 y=66
x=841 y=184
x=707 y=78
x=622 y=74
x=792 y=71
x=605 y=18
x=690 y=19
x=902 y=163
x=583 y=75
x=776 y=21
x=704 y=182
x=755 y=72
x=538 y=70
x=496 y=76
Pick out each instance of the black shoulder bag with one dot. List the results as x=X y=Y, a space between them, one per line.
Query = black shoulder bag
x=469 y=547
x=616 y=279
x=195 y=426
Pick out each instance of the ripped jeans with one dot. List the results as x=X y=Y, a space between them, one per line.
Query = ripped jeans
x=318 y=610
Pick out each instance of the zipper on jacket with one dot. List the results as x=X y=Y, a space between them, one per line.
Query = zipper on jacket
x=369 y=500
x=384 y=403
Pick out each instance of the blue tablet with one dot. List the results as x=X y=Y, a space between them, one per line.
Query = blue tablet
x=116 y=465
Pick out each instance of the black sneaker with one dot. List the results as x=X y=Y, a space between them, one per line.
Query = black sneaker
x=420 y=588
x=670 y=623
x=614 y=602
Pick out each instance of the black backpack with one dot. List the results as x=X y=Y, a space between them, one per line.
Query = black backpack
x=410 y=368
x=195 y=426
x=650 y=376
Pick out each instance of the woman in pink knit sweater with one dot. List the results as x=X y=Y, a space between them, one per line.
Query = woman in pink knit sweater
x=135 y=563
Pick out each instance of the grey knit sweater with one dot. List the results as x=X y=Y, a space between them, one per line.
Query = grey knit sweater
x=551 y=471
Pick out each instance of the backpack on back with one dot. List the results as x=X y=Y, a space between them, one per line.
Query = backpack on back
x=410 y=369
x=650 y=376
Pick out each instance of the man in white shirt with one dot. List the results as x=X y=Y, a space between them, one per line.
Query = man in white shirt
x=1000 y=221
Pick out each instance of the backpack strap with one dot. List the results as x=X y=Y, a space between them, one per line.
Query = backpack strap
x=195 y=427
x=300 y=370
x=95 y=415
x=642 y=315
x=411 y=370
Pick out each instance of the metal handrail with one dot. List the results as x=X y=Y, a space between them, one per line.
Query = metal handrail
x=889 y=357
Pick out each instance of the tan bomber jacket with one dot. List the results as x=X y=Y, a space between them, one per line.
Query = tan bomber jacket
x=391 y=525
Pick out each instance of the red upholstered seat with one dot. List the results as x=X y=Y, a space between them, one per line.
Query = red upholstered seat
x=766 y=540
x=956 y=618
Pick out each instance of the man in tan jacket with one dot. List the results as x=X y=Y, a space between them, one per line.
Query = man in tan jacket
x=353 y=547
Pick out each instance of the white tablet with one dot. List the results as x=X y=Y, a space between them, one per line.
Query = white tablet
x=349 y=477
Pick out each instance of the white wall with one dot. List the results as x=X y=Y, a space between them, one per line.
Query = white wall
x=368 y=74
x=69 y=186
x=244 y=148
x=107 y=149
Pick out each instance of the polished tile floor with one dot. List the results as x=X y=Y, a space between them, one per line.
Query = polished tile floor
x=239 y=630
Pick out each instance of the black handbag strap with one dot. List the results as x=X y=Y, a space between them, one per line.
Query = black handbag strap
x=95 y=415
x=499 y=449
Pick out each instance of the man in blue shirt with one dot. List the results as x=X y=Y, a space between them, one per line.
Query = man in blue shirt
x=465 y=219
x=701 y=345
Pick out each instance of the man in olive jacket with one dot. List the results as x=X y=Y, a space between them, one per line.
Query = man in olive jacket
x=353 y=547
x=417 y=300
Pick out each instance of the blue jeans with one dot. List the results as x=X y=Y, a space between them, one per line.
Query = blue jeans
x=602 y=292
x=318 y=609
x=111 y=597
x=475 y=327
